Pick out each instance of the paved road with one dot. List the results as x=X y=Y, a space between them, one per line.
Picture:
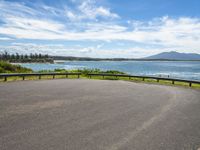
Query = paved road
x=97 y=115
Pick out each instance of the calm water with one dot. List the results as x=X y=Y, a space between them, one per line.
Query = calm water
x=175 y=69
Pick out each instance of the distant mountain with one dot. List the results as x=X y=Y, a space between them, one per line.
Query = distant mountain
x=159 y=57
x=175 y=56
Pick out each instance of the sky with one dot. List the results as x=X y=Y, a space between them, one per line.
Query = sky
x=100 y=28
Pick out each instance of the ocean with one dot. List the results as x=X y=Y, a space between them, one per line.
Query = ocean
x=173 y=69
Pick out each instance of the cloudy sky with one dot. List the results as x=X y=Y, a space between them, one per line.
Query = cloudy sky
x=100 y=28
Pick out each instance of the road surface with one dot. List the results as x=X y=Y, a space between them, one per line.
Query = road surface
x=84 y=114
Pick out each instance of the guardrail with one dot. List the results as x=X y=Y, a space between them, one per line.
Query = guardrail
x=173 y=80
x=23 y=75
x=53 y=74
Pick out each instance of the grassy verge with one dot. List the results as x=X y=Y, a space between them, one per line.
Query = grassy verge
x=139 y=80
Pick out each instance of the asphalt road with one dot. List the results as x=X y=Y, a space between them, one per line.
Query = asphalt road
x=98 y=115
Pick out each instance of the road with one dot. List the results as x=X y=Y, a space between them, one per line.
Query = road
x=81 y=114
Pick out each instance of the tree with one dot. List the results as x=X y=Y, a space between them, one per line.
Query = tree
x=17 y=56
x=1 y=56
x=46 y=56
x=22 y=56
x=26 y=56
x=40 y=56
x=5 y=55
x=13 y=56
x=31 y=56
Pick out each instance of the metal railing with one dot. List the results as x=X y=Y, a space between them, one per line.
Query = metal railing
x=173 y=80
x=24 y=75
x=53 y=74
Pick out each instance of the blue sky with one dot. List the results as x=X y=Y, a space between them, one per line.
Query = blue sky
x=100 y=28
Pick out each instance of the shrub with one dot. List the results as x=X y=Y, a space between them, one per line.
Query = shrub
x=6 y=67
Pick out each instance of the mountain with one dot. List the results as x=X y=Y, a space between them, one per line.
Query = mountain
x=175 y=56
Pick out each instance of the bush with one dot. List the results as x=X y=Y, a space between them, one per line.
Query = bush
x=84 y=71
x=114 y=72
x=6 y=67
x=60 y=70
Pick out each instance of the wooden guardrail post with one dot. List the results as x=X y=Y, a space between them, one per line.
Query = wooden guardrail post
x=53 y=76
x=172 y=81
x=23 y=77
x=5 y=78
x=190 y=84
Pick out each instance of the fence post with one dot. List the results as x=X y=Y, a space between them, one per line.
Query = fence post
x=190 y=84
x=53 y=76
x=172 y=81
x=5 y=78
x=23 y=77
x=143 y=79
x=78 y=75
x=39 y=77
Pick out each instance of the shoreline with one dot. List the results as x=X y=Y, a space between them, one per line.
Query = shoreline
x=149 y=60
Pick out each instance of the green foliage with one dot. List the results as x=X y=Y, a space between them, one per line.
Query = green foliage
x=60 y=70
x=44 y=71
x=10 y=68
x=113 y=72
x=84 y=71
x=87 y=71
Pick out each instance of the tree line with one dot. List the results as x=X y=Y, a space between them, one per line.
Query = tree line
x=5 y=56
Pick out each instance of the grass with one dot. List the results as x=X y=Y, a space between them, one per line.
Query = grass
x=150 y=81
x=9 y=68
x=6 y=67
x=138 y=80
x=46 y=77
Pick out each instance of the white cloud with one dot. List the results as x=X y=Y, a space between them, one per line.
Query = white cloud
x=181 y=33
x=27 y=48
x=32 y=24
x=98 y=50
x=165 y=31
x=15 y=9
x=88 y=10
x=105 y=12
x=5 y=39
x=83 y=23
x=71 y=15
